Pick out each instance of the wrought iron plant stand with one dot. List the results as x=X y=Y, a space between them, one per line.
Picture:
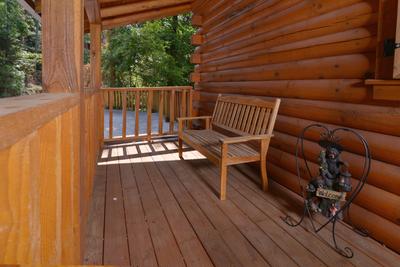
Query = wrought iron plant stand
x=326 y=192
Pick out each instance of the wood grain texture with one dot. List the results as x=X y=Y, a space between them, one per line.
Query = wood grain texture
x=20 y=116
x=315 y=55
x=180 y=197
x=44 y=194
x=224 y=150
x=62 y=38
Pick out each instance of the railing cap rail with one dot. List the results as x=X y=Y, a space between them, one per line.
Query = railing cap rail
x=20 y=116
x=161 y=88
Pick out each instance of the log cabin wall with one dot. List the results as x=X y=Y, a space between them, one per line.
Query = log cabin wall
x=315 y=55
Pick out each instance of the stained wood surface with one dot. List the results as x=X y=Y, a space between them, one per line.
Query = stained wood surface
x=315 y=56
x=170 y=102
x=172 y=215
x=20 y=116
x=62 y=37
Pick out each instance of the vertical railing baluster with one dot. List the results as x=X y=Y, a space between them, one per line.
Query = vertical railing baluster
x=124 y=95
x=190 y=106
x=171 y=111
x=183 y=103
x=137 y=106
x=149 y=113
x=160 y=112
x=110 y=110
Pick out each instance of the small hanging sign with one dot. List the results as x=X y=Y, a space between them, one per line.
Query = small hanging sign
x=330 y=194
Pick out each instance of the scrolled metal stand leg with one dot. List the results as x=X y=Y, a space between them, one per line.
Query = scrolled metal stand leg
x=291 y=222
x=346 y=251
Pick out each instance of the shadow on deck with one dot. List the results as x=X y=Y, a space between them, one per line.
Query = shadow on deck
x=150 y=208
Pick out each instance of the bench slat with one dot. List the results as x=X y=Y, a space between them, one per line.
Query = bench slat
x=210 y=140
x=260 y=121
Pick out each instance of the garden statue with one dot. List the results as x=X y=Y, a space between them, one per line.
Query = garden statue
x=325 y=192
x=330 y=191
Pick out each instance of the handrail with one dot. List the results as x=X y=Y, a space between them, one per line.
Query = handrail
x=173 y=102
x=20 y=116
x=133 y=89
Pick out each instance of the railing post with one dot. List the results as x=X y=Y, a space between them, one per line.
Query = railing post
x=176 y=99
x=149 y=113
x=124 y=114
x=137 y=110
x=161 y=112
x=171 y=111
x=110 y=109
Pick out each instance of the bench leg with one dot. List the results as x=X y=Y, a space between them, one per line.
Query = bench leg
x=264 y=176
x=224 y=173
x=263 y=163
x=180 y=149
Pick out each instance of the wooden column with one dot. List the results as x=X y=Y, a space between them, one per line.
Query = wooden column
x=62 y=24
x=62 y=46
x=96 y=78
x=95 y=56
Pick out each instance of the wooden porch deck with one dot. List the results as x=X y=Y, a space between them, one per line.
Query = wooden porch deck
x=150 y=208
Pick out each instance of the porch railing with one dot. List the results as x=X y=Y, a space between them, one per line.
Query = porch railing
x=167 y=103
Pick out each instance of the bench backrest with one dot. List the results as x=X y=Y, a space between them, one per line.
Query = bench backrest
x=245 y=115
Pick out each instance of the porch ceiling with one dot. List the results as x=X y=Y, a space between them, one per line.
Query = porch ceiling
x=114 y=13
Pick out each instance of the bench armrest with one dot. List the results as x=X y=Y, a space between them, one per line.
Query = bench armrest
x=242 y=139
x=182 y=119
x=194 y=118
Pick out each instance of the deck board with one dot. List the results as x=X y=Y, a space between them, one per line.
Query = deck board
x=161 y=211
x=115 y=235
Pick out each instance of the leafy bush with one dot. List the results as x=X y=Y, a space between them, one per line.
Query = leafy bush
x=155 y=53
x=20 y=59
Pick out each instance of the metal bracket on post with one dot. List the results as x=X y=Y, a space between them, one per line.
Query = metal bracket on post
x=389 y=46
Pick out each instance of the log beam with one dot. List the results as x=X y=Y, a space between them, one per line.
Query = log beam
x=195 y=77
x=197 y=39
x=195 y=58
x=92 y=9
x=144 y=16
x=140 y=6
x=197 y=20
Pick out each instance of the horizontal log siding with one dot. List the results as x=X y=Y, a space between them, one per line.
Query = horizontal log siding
x=315 y=55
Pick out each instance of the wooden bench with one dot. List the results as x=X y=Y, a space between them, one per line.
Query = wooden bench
x=236 y=121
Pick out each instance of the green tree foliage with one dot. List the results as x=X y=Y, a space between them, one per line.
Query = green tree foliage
x=155 y=53
x=20 y=59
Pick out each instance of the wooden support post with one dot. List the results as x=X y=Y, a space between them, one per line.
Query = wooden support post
x=95 y=56
x=62 y=37
x=62 y=46
x=95 y=76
